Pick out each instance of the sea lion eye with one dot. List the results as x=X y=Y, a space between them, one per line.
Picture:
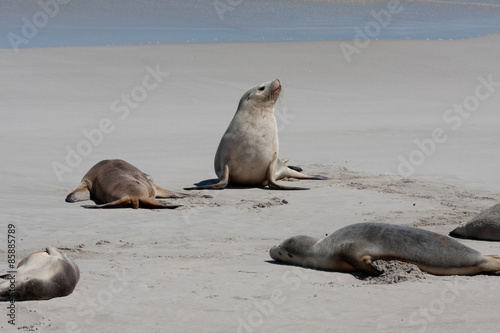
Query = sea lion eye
x=262 y=88
x=289 y=255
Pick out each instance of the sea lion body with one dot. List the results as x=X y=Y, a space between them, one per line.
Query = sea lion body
x=247 y=154
x=355 y=247
x=484 y=226
x=248 y=160
x=116 y=184
x=41 y=276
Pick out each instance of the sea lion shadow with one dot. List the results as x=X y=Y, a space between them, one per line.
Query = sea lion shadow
x=357 y=275
x=471 y=238
x=207 y=182
x=215 y=181
x=457 y=236
x=95 y=200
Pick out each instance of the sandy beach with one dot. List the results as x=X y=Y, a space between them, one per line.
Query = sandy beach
x=405 y=130
x=205 y=266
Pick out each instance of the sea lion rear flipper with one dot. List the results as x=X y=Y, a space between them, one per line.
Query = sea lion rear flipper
x=491 y=264
x=314 y=177
x=296 y=168
x=120 y=203
x=271 y=176
x=294 y=173
x=134 y=203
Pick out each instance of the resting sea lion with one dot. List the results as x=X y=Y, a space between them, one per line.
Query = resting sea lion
x=353 y=248
x=40 y=276
x=118 y=184
x=485 y=226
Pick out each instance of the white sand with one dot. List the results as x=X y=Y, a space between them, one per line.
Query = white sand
x=205 y=267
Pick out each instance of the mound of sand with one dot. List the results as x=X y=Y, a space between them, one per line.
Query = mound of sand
x=394 y=271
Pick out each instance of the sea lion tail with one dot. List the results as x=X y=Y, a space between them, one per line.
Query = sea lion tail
x=491 y=264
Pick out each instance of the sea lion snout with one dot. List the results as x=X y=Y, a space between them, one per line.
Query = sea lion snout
x=81 y=193
x=274 y=253
x=276 y=86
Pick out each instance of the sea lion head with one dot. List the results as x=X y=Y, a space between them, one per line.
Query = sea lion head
x=293 y=250
x=262 y=96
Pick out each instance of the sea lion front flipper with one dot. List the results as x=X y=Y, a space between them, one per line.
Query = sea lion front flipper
x=365 y=265
x=218 y=186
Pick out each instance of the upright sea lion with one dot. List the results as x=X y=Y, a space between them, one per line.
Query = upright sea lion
x=485 y=225
x=355 y=247
x=40 y=276
x=248 y=151
x=118 y=184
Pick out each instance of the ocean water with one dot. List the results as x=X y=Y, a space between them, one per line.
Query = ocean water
x=50 y=23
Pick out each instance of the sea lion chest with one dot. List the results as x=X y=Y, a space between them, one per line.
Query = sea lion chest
x=248 y=146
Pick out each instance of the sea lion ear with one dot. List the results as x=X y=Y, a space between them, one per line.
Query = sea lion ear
x=290 y=243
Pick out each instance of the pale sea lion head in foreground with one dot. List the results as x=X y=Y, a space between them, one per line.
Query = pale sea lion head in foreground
x=41 y=276
x=248 y=151
x=484 y=226
x=118 y=184
x=354 y=248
